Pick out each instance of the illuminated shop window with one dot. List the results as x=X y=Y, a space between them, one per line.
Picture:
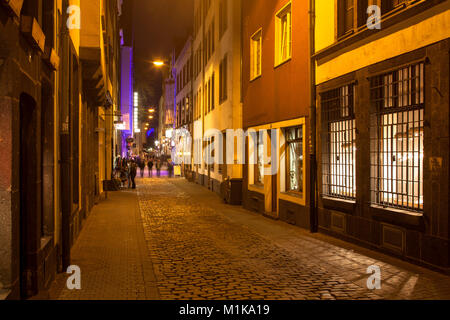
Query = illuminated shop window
x=397 y=138
x=259 y=167
x=294 y=159
x=339 y=148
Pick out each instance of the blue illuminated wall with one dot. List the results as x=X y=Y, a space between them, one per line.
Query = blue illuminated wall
x=126 y=93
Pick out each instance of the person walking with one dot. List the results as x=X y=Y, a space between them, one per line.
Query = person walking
x=170 y=168
x=142 y=167
x=128 y=167
x=150 y=168
x=158 y=168
x=133 y=173
x=123 y=175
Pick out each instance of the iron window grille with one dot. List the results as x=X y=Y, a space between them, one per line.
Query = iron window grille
x=397 y=138
x=339 y=147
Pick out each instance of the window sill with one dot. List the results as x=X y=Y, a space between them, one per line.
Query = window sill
x=279 y=64
x=255 y=78
x=297 y=195
x=342 y=205
x=398 y=217
x=259 y=186
x=293 y=197
x=256 y=188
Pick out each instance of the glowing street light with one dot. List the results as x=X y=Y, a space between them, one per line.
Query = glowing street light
x=150 y=117
x=151 y=110
x=158 y=63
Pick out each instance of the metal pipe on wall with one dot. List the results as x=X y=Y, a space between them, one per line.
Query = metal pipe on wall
x=313 y=161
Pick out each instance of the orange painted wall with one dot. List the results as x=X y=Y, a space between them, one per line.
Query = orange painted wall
x=283 y=92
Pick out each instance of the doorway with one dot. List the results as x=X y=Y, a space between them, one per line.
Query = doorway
x=30 y=195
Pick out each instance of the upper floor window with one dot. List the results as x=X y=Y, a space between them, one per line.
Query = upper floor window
x=346 y=12
x=352 y=14
x=389 y=5
x=223 y=18
x=223 y=87
x=283 y=35
x=255 y=55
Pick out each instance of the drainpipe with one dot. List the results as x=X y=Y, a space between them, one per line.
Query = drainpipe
x=65 y=147
x=313 y=162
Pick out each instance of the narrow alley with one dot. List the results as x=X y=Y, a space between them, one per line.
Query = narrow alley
x=174 y=240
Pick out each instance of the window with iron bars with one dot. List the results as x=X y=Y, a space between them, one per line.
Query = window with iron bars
x=397 y=138
x=339 y=147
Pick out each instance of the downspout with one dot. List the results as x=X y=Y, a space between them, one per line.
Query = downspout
x=191 y=105
x=65 y=147
x=314 y=221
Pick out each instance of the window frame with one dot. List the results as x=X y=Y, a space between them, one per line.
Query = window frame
x=338 y=134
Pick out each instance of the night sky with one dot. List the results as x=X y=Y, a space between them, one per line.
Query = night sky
x=159 y=26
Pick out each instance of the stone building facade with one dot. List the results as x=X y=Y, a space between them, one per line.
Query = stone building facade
x=383 y=127
x=50 y=163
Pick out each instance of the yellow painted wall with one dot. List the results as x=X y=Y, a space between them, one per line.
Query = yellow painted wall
x=417 y=32
x=325 y=24
x=75 y=33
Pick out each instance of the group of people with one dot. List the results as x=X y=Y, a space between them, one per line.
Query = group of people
x=126 y=169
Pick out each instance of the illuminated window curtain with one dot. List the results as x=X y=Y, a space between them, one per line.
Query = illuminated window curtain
x=259 y=178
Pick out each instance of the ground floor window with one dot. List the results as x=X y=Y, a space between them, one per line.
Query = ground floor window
x=397 y=138
x=259 y=166
x=294 y=159
x=339 y=143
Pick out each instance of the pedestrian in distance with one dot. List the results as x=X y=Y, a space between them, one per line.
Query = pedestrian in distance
x=142 y=167
x=129 y=172
x=170 y=168
x=150 y=168
x=133 y=173
x=158 y=168
x=123 y=176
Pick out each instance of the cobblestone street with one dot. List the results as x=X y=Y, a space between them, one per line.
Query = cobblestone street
x=195 y=247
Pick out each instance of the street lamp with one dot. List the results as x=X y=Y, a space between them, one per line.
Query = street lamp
x=158 y=63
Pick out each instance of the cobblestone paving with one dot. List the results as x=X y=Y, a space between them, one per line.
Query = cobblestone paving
x=177 y=240
x=203 y=249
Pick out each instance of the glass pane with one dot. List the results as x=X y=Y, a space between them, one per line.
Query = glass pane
x=295 y=166
x=260 y=172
